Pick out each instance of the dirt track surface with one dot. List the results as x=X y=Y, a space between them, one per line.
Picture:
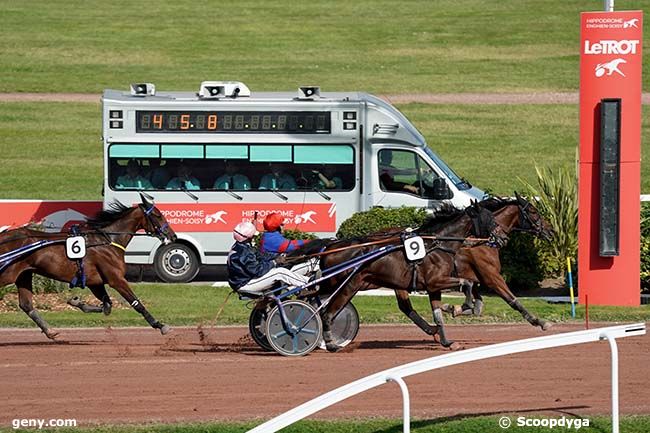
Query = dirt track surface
x=426 y=98
x=135 y=375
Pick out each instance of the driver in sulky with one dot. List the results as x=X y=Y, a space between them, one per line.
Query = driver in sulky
x=250 y=271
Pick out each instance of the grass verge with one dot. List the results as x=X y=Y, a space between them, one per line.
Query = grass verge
x=193 y=304
x=460 y=424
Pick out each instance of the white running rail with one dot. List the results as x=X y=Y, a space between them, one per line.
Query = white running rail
x=397 y=374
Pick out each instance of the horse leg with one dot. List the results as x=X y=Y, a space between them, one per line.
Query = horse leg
x=498 y=284
x=478 y=301
x=100 y=293
x=405 y=306
x=122 y=287
x=531 y=318
x=328 y=315
x=436 y=304
x=24 y=284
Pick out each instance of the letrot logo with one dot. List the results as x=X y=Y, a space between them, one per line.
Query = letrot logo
x=216 y=217
x=611 y=47
x=305 y=217
x=609 y=67
x=631 y=23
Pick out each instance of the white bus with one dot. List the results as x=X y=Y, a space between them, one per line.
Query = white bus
x=214 y=158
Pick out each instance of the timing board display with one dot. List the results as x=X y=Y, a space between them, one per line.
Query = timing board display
x=260 y=122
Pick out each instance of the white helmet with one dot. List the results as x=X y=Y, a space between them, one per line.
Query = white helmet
x=244 y=231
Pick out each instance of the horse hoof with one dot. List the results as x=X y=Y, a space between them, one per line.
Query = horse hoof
x=331 y=347
x=447 y=308
x=164 y=329
x=454 y=346
x=106 y=309
x=75 y=302
x=545 y=325
x=478 y=308
x=51 y=335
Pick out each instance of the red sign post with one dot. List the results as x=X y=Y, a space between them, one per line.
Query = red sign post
x=610 y=69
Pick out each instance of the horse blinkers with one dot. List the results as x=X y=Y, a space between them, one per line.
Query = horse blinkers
x=161 y=231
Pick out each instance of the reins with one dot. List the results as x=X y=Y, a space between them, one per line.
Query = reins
x=389 y=240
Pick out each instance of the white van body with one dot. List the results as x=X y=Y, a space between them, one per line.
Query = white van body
x=371 y=150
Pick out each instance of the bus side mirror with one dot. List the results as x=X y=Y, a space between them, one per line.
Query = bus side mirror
x=441 y=190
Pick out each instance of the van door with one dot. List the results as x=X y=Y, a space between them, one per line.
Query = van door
x=403 y=177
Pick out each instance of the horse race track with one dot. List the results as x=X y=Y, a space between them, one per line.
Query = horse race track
x=134 y=375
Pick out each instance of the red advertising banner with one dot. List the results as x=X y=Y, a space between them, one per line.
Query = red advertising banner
x=203 y=217
x=610 y=67
x=223 y=217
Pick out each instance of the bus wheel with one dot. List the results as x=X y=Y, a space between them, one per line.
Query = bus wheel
x=176 y=263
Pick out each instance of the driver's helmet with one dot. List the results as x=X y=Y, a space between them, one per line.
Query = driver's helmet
x=244 y=231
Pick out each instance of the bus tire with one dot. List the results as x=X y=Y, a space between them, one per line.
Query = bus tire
x=176 y=263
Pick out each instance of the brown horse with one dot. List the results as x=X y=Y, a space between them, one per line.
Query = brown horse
x=482 y=263
x=433 y=273
x=106 y=236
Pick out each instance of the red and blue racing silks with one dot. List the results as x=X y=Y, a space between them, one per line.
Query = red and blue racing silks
x=273 y=243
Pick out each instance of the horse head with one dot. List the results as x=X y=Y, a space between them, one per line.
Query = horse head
x=531 y=221
x=154 y=222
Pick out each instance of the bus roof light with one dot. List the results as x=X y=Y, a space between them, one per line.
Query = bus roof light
x=143 y=89
x=309 y=92
x=223 y=89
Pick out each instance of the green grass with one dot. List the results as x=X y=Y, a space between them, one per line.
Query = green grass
x=468 y=424
x=374 y=45
x=53 y=150
x=193 y=304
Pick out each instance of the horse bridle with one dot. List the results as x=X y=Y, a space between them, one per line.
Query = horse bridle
x=526 y=223
x=158 y=229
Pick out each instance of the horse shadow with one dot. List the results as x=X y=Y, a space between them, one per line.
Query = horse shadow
x=424 y=345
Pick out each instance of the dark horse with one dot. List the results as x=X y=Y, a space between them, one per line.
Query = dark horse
x=106 y=235
x=432 y=273
x=481 y=264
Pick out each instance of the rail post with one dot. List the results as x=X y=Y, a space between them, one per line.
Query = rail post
x=406 y=401
x=614 y=349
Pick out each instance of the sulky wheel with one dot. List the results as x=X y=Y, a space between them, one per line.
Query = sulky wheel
x=304 y=329
x=257 y=327
x=345 y=326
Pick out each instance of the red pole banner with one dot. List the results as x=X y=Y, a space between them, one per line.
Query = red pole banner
x=610 y=69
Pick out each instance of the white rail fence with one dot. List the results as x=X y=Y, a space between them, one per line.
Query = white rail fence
x=397 y=374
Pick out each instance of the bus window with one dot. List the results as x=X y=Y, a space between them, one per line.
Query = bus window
x=404 y=171
x=325 y=166
x=232 y=178
x=236 y=167
x=132 y=178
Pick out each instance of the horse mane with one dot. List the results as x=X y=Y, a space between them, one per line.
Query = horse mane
x=495 y=203
x=115 y=211
x=446 y=214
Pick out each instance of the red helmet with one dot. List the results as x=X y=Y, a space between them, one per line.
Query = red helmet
x=273 y=222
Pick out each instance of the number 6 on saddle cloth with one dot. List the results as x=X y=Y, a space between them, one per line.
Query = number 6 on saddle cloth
x=75 y=249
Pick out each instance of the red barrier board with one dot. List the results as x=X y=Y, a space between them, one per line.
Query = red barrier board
x=610 y=67
x=190 y=217
x=52 y=215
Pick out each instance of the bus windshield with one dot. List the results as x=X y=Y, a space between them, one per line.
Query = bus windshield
x=460 y=183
